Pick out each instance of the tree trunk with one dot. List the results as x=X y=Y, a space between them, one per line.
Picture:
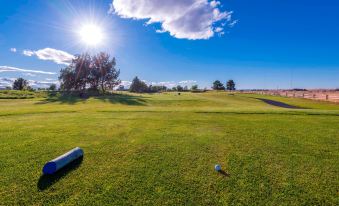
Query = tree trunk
x=102 y=87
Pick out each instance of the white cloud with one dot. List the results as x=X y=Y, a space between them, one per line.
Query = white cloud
x=214 y=3
x=28 y=53
x=42 y=84
x=218 y=29
x=30 y=75
x=8 y=82
x=15 y=69
x=168 y=84
x=183 y=19
x=13 y=50
x=233 y=23
x=188 y=82
x=126 y=84
x=49 y=79
x=57 y=56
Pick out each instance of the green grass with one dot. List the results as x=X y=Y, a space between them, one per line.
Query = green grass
x=15 y=94
x=161 y=149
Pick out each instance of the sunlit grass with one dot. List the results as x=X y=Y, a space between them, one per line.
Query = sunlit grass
x=160 y=149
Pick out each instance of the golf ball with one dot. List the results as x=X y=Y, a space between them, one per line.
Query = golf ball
x=217 y=168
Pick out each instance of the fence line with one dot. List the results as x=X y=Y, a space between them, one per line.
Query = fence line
x=321 y=95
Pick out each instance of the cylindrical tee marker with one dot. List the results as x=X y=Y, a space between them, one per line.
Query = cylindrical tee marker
x=56 y=164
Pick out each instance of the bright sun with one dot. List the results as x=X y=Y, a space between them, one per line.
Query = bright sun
x=91 y=34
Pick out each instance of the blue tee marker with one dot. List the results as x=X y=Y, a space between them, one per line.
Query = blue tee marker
x=56 y=164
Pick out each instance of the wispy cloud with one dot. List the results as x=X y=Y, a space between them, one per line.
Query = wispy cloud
x=126 y=84
x=30 y=74
x=188 y=82
x=50 y=54
x=184 y=19
x=13 y=50
x=8 y=82
x=42 y=84
x=15 y=69
x=28 y=53
x=49 y=79
x=233 y=23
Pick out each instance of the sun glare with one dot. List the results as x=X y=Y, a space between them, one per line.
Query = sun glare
x=91 y=35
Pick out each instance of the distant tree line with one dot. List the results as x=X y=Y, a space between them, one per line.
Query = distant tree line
x=230 y=85
x=99 y=73
x=23 y=84
x=139 y=86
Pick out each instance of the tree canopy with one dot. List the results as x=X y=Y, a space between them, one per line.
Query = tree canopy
x=180 y=88
x=52 y=87
x=230 y=85
x=138 y=86
x=20 y=84
x=194 y=87
x=156 y=88
x=96 y=72
x=217 y=85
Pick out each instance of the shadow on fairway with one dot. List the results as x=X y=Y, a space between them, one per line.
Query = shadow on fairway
x=279 y=104
x=222 y=172
x=123 y=99
x=45 y=181
x=110 y=98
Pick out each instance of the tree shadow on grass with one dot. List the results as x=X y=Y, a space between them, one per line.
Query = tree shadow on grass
x=224 y=173
x=279 y=104
x=123 y=99
x=45 y=181
x=62 y=100
x=110 y=98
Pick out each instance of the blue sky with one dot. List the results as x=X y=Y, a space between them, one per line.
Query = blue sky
x=260 y=44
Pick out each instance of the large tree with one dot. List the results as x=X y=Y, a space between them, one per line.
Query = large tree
x=230 y=85
x=217 y=85
x=104 y=72
x=138 y=86
x=20 y=84
x=67 y=78
x=76 y=75
x=95 y=72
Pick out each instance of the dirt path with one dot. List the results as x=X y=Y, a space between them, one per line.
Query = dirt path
x=279 y=104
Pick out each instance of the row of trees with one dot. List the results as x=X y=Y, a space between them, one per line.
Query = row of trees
x=99 y=73
x=139 y=86
x=23 y=84
x=217 y=85
x=180 y=88
x=96 y=72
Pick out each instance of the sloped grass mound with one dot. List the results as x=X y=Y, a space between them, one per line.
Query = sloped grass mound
x=15 y=94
